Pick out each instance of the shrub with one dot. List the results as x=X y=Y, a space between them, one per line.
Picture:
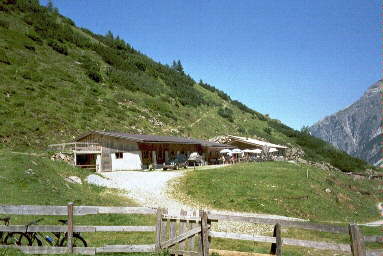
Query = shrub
x=92 y=69
x=58 y=47
x=242 y=106
x=267 y=130
x=226 y=113
x=32 y=75
x=4 y=24
x=34 y=37
x=161 y=107
x=4 y=58
x=30 y=47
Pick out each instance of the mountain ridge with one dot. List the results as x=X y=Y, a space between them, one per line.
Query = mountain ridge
x=355 y=129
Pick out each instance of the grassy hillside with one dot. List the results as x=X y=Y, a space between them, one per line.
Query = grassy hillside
x=283 y=189
x=58 y=81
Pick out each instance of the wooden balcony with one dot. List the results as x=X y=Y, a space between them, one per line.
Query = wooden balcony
x=77 y=147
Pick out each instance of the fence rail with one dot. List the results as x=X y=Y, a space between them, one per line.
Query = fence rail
x=186 y=234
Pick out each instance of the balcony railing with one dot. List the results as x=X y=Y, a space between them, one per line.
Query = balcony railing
x=76 y=147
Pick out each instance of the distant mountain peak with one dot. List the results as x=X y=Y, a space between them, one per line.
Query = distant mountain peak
x=356 y=129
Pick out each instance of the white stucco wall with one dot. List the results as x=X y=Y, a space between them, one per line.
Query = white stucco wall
x=130 y=161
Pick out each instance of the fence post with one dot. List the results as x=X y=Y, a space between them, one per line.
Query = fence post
x=204 y=233
x=70 y=227
x=276 y=248
x=356 y=238
x=158 y=229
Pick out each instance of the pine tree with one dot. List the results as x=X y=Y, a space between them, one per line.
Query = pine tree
x=51 y=7
x=176 y=65
x=179 y=67
x=109 y=35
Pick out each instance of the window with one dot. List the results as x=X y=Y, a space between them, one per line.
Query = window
x=119 y=155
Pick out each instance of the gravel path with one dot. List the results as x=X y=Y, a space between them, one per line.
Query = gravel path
x=150 y=189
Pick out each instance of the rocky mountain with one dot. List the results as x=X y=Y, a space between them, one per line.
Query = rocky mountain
x=357 y=128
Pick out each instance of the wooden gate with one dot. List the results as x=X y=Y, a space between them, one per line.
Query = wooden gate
x=186 y=234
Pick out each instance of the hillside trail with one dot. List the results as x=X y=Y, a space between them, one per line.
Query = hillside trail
x=153 y=189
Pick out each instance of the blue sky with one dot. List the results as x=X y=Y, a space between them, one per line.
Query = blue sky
x=296 y=60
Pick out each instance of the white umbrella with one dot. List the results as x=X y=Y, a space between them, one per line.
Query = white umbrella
x=194 y=156
x=271 y=150
x=224 y=151
x=236 y=151
x=257 y=151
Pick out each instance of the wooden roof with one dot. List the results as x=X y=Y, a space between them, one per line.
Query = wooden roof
x=142 y=138
x=255 y=142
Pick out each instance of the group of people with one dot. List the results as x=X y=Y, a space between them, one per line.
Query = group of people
x=234 y=158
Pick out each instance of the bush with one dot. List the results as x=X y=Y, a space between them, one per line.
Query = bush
x=267 y=130
x=242 y=106
x=30 y=47
x=34 y=37
x=4 y=58
x=4 y=24
x=226 y=113
x=32 y=75
x=92 y=69
x=161 y=107
x=58 y=47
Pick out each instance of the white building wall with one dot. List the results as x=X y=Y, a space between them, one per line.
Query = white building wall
x=129 y=161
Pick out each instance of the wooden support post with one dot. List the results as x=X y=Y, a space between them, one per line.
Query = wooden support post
x=70 y=227
x=356 y=238
x=154 y=160
x=276 y=248
x=204 y=233
x=158 y=229
x=182 y=229
x=164 y=225
x=192 y=224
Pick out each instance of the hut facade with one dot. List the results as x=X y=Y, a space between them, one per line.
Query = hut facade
x=114 y=151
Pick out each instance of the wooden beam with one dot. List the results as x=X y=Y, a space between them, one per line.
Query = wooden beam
x=158 y=230
x=285 y=241
x=276 y=248
x=246 y=237
x=284 y=223
x=317 y=245
x=126 y=210
x=164 y=223
x=235 y=253
x=192 y=224
x=378 y=252
x=52 y=228
x=182 y=228
x=52 y=250
x=126 y=248
x=204 y=233
x=70 y=228
x=180 y=237
x=78 y=210
x=357 y=243
x=373 y=239
x=124 y=228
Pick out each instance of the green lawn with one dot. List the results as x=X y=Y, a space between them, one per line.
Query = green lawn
x=284 y=189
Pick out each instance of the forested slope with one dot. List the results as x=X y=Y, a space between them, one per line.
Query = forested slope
x=58 y=81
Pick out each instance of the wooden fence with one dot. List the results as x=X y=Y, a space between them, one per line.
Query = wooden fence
x=185 y=234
